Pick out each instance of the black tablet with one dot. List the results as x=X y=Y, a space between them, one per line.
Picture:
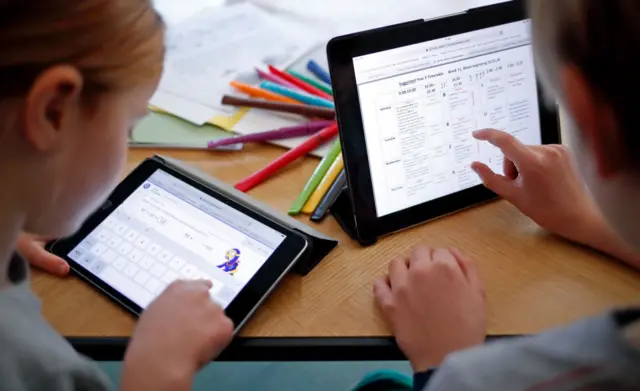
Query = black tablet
x=160 y=225
x=408 y=98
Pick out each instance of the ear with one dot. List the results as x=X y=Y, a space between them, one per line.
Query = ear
x=596 y=121
x=51 y=105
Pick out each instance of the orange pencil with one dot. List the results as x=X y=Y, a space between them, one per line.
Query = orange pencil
x=255 y=92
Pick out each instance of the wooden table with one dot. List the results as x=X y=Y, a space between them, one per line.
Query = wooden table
x=533 y=280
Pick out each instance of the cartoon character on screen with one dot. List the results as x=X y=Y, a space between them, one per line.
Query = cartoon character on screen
x=233 y=261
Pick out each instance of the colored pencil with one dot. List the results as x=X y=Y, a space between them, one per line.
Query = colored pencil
x=316 y=178
x=296 y=95
x=256 y=92
x=275 y=79
x=308 y=88
x=272 y=168
x=320 y=73
x=330 y=198
x=318 y=194
x=318 y=84
x=305 y=110
x=277 y=134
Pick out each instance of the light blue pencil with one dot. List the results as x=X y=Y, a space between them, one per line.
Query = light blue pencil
x=299 y=96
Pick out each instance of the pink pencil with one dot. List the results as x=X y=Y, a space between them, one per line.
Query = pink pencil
x=276 y=79
x=270 y=169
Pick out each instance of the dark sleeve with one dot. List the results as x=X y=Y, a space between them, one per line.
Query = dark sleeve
x=420 y=379
x=77 y=379
x=624 y=318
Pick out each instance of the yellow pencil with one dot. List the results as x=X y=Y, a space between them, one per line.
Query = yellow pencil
x=324 y=186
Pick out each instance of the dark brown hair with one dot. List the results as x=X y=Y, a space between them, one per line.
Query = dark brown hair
x=601 y=38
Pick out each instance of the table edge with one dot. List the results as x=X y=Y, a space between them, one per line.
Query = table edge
x=278 y=349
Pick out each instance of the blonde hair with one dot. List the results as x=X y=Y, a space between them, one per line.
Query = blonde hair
x=602 y=39
x=112 y=43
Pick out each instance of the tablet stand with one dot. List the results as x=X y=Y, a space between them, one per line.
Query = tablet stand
x=342 y=211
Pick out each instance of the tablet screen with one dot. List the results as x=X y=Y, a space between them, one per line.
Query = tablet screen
x=167 y=230
x=421 y=103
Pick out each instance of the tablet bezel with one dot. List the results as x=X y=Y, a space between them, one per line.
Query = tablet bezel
x=342 y=50
x=276 y=266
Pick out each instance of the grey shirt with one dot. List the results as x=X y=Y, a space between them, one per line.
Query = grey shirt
x=592 y=355
x=32 y=355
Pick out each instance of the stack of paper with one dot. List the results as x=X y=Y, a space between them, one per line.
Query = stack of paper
x=207 y=51
x=208 y=46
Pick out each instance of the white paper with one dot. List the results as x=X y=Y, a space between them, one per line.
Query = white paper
x=175 y=11
x=349 y=16
x=218 y=45
x=182 y=107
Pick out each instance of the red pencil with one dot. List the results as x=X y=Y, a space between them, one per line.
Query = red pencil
x=299 y=83
x=312 y=143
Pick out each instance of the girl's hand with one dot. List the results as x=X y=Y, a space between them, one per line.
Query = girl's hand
x=32 y=249
x=181 y=331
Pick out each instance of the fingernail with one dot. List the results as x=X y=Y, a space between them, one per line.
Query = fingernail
x=63 y=268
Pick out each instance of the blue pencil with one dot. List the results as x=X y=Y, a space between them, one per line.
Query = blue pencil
x=297 y=95
x=319 y=72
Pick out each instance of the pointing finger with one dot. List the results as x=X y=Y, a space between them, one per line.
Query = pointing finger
x=510 y=146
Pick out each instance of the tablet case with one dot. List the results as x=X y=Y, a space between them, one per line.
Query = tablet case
x=319 y=245
x=342 y=211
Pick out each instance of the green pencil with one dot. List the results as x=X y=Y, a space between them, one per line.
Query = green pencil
x=316 y=178
x=318 y=84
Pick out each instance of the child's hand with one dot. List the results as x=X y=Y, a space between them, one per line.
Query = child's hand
x=434 y=302
x=540 y=181
x=32 y=249
x=182 y=330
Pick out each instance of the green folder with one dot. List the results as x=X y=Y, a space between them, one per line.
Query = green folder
x=162 y=130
